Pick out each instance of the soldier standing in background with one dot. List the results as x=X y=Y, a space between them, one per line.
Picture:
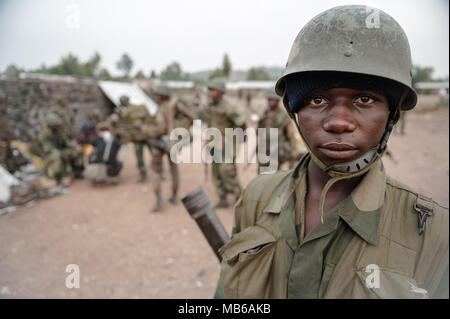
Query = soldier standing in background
x=61 y=154
x=135 y=117
x=65 y=114
x=221 y=114
x=124 y=101
x=171 y=113
x=276 y=117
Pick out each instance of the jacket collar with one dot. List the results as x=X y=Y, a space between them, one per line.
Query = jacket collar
x=361 y=210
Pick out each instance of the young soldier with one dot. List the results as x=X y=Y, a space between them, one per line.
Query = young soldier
x=61 y=153
x=170 y=113
x=135 y=118
x=336 y=226
x=276 y=117
x=65 y=114
x=220 y=114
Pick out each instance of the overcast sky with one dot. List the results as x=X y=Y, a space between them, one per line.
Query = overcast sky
x=195 y=33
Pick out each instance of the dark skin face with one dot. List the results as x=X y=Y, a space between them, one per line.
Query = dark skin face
x=215 y=95
x=339 y=125
x=161 y=98
x=273 y=104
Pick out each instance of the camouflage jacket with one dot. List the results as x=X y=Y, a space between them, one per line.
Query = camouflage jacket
x=222 y=116
x=55 y=140
x=410 y=265
x=134 y=118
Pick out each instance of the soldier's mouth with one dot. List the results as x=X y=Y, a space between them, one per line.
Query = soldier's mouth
x=338 y=151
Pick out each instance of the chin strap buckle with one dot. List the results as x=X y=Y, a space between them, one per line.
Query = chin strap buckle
x=424 y=207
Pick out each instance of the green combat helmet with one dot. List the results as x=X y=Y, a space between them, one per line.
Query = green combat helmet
x=352 y=39
x=124 y=99
x=52 y=119
x=217 y=85
x=161 y=89
x=271 y=94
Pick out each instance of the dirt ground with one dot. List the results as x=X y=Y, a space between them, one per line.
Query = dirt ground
x=125 y=251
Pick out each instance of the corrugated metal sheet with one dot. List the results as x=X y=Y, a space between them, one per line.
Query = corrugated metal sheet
x=257 y=85
x=180 y=84
x=114 y=90
x=431 y=85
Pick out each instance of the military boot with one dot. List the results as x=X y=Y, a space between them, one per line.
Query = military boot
x=222 y=203
x=173 y=199
x=142 y=178
x=159 y=203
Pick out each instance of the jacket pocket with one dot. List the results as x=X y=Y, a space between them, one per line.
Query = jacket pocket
x=247 y=263
x=393 y=285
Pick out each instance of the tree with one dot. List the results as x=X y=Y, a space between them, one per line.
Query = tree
x=90 y=68
x=69 y=65
x=12 y=71
x=422 y=74
x=153 y=74
x=139 y=75
x=216 y=73
x=104 y=74
x=172 y=72
x=125 y=64
x=258 y=74
x=226 y=65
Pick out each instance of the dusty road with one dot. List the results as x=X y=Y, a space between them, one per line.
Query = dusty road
x=124 y=251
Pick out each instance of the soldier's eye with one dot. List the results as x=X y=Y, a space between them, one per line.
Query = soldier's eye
x=364 y=99
x=318 y=101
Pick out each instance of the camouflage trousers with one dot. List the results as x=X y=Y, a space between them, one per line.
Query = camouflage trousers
x=158 y=168
x=62 y=162
x=139 y=152
x=225 y=179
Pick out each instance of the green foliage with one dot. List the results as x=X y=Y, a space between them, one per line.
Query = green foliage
x=125 y=64
x=70 y=65
x=12 y=71
x=226 y=65
x=217 y=73
x=173 y=72
x=153 y=74
x=104 y=74
x=90 y=68
x=258 y=74
x=422 y=74
x=139 y=75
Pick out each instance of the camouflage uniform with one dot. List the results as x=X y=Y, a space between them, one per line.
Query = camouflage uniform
x=134 y=117
x=68 y=118
x=61 y=155
x=221 y=116
x=164 y=120
x=286 y=142
x=182 y=114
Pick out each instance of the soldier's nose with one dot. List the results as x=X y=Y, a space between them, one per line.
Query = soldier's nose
x=339 y=123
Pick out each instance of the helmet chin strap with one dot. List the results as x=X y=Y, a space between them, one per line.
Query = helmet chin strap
x=355 y=167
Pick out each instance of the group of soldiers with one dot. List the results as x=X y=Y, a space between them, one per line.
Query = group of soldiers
x=62 y=148
x=146 y=131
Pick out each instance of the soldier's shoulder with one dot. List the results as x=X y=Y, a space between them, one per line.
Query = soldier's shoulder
x=406 y=203
x=401 y=189
x=227 y=105
x=263 y=187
